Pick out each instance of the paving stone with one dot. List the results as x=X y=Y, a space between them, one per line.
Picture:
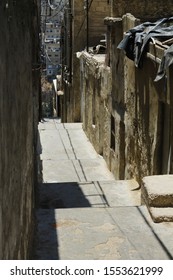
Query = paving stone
x=73 y=126
x=91 y=233
x=96 y=169
x=70 y=195
x=139 y=233
x=82 y=145
x=52 y=145
x=47 y=124
x=162 y=231
x=59 y=171
x=86 y=233
x=121 y=192
x=59 y=125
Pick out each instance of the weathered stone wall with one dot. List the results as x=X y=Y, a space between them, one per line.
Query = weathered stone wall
x=98 y=10
x=19 y=85
x=95 y=91
x=142 y=9
x=126 y=115
x=125 y=118
x=79 y=36
x=145 y=111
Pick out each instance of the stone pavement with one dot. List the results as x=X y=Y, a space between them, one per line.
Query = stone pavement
x=83 y=212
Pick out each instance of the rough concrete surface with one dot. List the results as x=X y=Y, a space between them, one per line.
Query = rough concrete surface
x=93 y=219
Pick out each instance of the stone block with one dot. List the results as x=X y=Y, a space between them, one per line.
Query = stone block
x=157 y=191
x=161 y=214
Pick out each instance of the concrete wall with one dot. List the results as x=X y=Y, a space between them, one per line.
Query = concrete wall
x=126 y=115
x=142 y=9
x=19 y=86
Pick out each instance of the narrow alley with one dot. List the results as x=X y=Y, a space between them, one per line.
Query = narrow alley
x=83 y=212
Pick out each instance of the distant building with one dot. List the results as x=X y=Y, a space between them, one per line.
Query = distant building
x=52 y=14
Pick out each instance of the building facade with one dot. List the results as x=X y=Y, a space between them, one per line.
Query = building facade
x=52 y=14
x=52 y=48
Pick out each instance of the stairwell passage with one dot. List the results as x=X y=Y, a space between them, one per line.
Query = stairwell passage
x=83 y=212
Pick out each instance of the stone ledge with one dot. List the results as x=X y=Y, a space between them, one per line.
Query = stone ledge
x=161 y=214
x=157 y=191
x=112 y=20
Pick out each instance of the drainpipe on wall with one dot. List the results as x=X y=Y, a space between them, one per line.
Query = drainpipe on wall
x=86 y=8
x=71 y=51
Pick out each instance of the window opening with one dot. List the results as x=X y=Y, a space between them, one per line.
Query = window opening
x=112 y=133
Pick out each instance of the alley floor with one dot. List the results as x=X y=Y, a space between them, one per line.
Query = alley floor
x=83 y=212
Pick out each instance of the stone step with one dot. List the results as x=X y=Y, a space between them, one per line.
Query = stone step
x=157 y=194
x=121 y=192
x=159 y=215
x=157 y=190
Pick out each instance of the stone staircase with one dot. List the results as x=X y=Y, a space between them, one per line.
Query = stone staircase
x=157 y=194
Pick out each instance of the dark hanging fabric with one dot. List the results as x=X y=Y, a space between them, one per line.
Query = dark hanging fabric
x=137 y=39
x=167 y=60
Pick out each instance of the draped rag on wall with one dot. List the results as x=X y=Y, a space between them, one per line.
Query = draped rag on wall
x=136 y=41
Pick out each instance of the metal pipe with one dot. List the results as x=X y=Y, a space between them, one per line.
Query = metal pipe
x=87 y=25
x=71 y=43
x=86 y=8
